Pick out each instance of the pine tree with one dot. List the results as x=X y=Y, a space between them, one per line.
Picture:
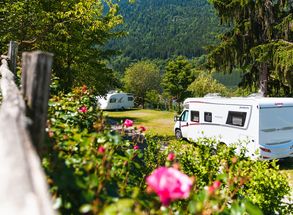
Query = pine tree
x=260 y=41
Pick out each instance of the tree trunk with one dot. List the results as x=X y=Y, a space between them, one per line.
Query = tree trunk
x=263 y=79
x=143 y=100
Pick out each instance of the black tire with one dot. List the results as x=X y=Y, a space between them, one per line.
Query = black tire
x=178 y=134
x=122 y=108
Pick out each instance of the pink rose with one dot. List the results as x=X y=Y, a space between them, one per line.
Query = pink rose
x=171 y=156
x=169 y=184
x=82 y=109
x=128 y=123
x=136 y=147
x=101 y=150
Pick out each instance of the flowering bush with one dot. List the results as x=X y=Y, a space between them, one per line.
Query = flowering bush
x=223 y=178
x=77 y=110
x=94 y=170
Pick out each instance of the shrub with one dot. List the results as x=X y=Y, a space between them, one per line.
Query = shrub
x=244 y=180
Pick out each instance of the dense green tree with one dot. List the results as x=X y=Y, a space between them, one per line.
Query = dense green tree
x=75 y=31
x=140 y=78
x=204 y=84
x=178 y=76
x=153 y=99
x=164 y=28
x=260 y=41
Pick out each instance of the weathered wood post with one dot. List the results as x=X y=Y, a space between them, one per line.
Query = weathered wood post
x=36 y=75
x=23 y=187
x=12 y=55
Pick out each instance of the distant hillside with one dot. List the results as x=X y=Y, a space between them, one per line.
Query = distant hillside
x=163 y=28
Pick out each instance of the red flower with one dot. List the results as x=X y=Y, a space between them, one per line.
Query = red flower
x=171 y=156
x=214 y=187
x=128 y=123
x=84 y=88
x=82 y=109
x=136 y=147
x=101 y=150
x=169 y=184
x=216 y=184
x=142 y=128
x=50 y=133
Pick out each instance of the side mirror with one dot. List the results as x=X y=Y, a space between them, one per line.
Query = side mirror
x=176 y=118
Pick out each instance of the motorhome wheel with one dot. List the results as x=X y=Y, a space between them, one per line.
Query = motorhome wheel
x=178 y=134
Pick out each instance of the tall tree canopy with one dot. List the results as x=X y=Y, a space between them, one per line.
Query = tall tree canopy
x=260 y=41
x=74 y=30
x=140 y=78
x=178 y=76
x=164 y=28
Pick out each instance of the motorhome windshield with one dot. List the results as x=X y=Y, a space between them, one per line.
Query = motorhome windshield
x=276 y=119
x=276 y=126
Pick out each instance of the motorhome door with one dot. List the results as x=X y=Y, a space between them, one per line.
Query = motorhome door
x=184 y=123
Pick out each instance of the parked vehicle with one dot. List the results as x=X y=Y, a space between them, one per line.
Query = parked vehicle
x=116 y=101
x=265 y=124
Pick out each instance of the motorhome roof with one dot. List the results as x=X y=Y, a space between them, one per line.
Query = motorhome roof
x=261 y=101
x=119 y=93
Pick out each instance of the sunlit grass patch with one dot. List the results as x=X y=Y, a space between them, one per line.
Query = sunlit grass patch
x=157 y=122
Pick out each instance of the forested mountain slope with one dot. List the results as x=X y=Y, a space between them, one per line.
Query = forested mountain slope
x=163 y=28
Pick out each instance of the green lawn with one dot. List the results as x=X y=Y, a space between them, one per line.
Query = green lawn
x=156 y=122
x=161 y=123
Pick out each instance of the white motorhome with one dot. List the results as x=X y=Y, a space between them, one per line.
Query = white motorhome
x=116 y=101
x=265 y=124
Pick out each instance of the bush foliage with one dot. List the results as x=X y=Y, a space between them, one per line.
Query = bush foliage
x=94 y=169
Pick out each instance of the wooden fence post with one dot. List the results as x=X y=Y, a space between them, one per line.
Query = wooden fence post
x=12 y=55
x=23 y=187
x=36 y=75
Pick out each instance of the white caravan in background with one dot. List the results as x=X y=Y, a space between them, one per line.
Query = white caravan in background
x=265 y=124
x=116 y=101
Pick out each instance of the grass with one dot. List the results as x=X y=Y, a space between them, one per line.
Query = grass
x=161 y=123
x=157 y=122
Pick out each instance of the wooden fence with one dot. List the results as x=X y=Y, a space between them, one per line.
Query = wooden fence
x=23 y=187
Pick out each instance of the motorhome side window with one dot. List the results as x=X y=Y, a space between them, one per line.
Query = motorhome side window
x=184 y=116
x=130 y=98
x=194 y=116
x=112 y=100
x=236 y=118
x=207 y=116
